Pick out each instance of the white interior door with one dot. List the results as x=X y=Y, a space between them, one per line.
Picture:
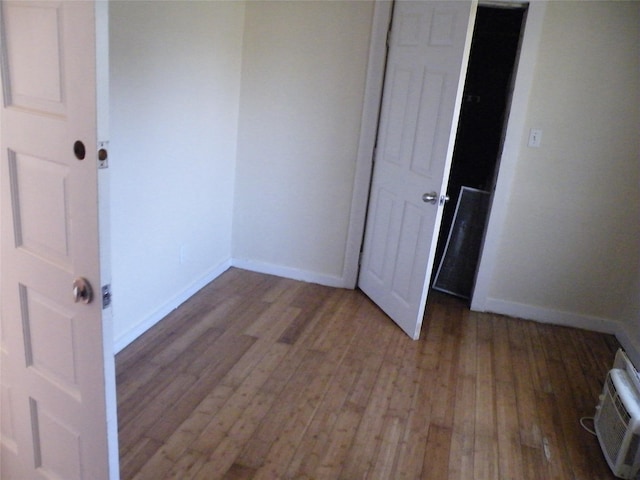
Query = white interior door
x=428 y=52
x=52 y=383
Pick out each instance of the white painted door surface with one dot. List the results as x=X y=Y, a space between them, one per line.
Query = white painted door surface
x=52 y=384
x=427 y=53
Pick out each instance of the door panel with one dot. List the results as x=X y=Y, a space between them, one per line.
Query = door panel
x=36 y=76
x=420 y=102
x=40 y=210
x=52 y=385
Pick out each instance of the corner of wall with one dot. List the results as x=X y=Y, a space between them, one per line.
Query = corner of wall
x=630 y=343
x=127 y=337
x=290 y=272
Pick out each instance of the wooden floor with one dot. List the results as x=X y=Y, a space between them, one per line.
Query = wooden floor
x=267 y=378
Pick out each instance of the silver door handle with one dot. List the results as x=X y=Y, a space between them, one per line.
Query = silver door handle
x=82 y=291
x=431 y=197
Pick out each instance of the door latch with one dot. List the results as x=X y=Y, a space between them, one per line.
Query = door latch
x=106 y=296
x=103 y=155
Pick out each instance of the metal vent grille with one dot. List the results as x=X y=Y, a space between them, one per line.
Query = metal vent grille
x=633 y=450
x=613 y=421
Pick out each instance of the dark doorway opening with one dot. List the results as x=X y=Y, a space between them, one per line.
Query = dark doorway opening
x=486 y=97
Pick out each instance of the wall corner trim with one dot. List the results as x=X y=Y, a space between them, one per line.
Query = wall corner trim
x=290 y=272
x=550 y=315
x=567 y=319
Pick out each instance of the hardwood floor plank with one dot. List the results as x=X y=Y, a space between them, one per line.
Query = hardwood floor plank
x=262 y=377
x=155 y=407
x=525 y=394
x=553 y=441
x=391 y=435
x=135 y=385
x=442 y=405
x=411 y=452
x=291 y=381
x=508 y=435
x=281 y=290
x=412 y=449
x=462 y=406
x=318 y=383
x=348 y=382
x=267 y=322
x=279 y=319
x=165 y=458
x=367 y=439
x=221 y=423
x=485 y=451
x=438 y=453
x=508 y=430
x=311 y=448
x=339 y=446
x=208 y=378
x=222 y=459
x=135 y=458
x=310 y=300
x=239 y=472
x=185 y=468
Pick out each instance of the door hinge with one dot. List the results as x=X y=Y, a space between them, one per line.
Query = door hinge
x=106 y=295
x=360 y=258
x=103 y=155
x=389 y=37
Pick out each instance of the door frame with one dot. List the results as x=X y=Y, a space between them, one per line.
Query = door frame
x=376 y=66
x=104 y=232
x=514 y=133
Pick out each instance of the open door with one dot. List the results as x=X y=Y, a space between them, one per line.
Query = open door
x=52 y=383
x=428 y=50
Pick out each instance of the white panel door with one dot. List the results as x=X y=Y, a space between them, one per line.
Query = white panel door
x=52 y=384
x=420 y=105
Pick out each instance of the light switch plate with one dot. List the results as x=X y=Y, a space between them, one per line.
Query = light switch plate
x=535 y=137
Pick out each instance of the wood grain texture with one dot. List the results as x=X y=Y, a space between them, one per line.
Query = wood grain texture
x=259 y=377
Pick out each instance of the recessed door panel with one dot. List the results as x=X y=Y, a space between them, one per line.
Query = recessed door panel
x=400 y=115
x=56 y=445
x=384 y=205
x=427 y=143
x=35 y=62
x=442 y=31
x=7 y=429
x=39 y=197
x=45 y=321
x=407 y=250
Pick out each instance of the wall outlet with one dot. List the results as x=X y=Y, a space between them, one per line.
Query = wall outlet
x=535 y=137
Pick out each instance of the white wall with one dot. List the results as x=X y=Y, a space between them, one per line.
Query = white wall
x=629 y=334
x=303 y=76
x=175 y=82
x=285 y=83
x=569 y=248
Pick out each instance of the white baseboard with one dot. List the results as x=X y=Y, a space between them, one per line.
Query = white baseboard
x=529 y=312
x=129 y=336
x=306 y=276
x=568 y=319
x=288 y=272
x=547 y=315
